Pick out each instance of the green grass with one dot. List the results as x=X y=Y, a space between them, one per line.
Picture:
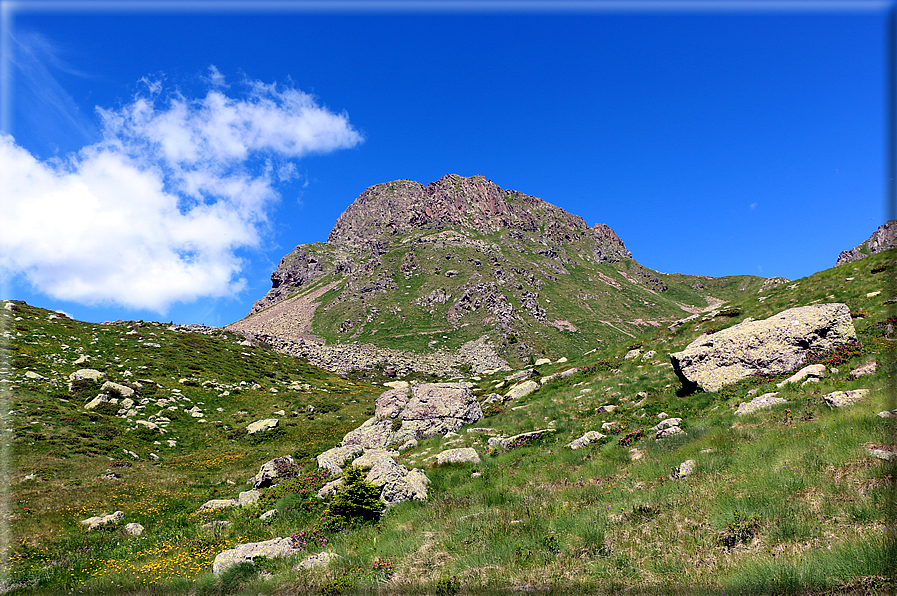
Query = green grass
x=540 y=516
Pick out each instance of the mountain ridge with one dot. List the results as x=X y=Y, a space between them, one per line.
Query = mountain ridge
x=432 y=267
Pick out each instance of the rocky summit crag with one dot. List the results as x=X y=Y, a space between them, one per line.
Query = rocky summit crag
x=883 y=238
x=463 y=275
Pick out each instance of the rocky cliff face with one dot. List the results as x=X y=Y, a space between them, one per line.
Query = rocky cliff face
x=458 y=203
x=432 y=268
x=883 y=238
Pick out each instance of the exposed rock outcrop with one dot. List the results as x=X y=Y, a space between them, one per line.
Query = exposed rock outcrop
x=773 y=346
x=273 y=470
x=271 y=549
x=762 y=402
x=883 y=238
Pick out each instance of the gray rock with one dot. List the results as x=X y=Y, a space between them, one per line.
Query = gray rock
x=865 y=369
x=667 y=423
x=523 y=438
x=542 y=361
x=372 y=456
x=316 y=561
x=399 y=483
x=268 y=514
x=385 y=471
x=813 y=370
x=452 y=401
x=218 y=504
x=249 y=497
x=425 y=410
x=102 y=520
x=883 y=238
x=522 y=375
x=669 y=432
x=560 y=375
x=117 y=389
x=271 y=471
x=462 y=455
x=605 y=409
x=686 y=468
x=840 y=399
x=372 y=434
x=30 y=374
x=521 y=390
x=772 y=346
x=762 y=402
x=85 y=374
x=613 y=426
x=591 y=436
x=632 y=354
x=134 y=529
x=411 y=487
x=262 y=425
x=100 y=399
x=271 y=549
x=648 y=355
x=879 y=453
x=328 y=489
x=146 y=424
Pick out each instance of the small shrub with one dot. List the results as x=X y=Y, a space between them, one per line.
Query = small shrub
x=237 y=575
x=447 y=586
x=382 y=569
x=835 y=356
x=631 y=437
x=396 y=424
x=338 y=585
x=551 y=543
x=146 y=434
x=303 y=539
x=741 y=529
x=494 y=409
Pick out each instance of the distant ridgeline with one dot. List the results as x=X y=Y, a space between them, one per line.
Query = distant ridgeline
x=461 y=275
x=883 y=238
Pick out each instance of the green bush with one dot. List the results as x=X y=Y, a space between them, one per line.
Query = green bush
x=357 y=499
x=338 y=585
x=447 y=586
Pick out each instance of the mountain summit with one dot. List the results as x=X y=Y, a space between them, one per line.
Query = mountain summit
x=462 y=266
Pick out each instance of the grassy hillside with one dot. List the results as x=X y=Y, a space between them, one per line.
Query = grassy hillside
x=787 y=500
x=533 y=300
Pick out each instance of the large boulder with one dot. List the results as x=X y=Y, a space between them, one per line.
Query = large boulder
x=521 y=390
x=260 y=426
x=334 y=459
x=773 y=346
x=416 y=412
x=274 y=548
x=117 y=389
x=592 y=436
x=840 y=399
x=85 y=375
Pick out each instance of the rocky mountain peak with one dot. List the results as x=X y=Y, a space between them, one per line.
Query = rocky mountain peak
x=457 y=202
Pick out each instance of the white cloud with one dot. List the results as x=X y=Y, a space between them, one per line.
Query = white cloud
x=156 y=212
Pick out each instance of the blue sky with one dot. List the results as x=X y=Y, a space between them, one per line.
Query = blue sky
x=163 y=157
